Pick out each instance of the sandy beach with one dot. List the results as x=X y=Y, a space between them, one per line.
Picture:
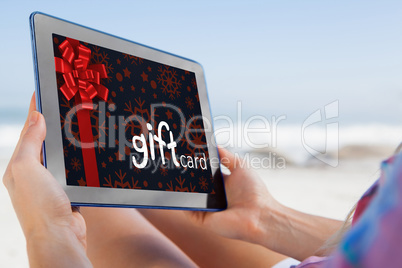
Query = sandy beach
x=319 y=189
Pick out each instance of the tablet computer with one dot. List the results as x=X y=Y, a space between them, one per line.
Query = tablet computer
x=127 y=125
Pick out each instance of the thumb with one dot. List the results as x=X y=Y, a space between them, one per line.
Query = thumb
x=31 y=141
x=228 y=159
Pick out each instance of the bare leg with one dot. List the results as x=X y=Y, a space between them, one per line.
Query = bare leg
x=206 y=248
x=119 y=237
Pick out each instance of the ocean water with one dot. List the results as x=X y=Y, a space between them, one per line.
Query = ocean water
x=9 y=135
x=11 y=123
x=300 y=144
x=290 y=140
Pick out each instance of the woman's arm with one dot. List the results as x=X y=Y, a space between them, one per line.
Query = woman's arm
x=56 y=236
x=55 y=247
x=253 y=215
x=293 y=233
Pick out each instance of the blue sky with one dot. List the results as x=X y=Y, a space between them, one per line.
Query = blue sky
x=277 y=57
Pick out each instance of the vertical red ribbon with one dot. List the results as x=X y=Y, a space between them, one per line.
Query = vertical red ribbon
x=87 y=147
x=82 y=80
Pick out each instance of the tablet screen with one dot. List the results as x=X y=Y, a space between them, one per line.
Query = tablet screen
x=128 y=122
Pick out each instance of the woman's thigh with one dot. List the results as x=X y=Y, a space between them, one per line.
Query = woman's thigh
x=118 y=237
x=206 y=248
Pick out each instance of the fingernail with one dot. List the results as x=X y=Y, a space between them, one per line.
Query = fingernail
x=33 y=118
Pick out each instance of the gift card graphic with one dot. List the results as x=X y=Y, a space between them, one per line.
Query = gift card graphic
x=129 y=122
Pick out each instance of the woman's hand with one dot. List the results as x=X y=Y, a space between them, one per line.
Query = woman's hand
x=56 y=236
x=247 y=198
x=253 y=215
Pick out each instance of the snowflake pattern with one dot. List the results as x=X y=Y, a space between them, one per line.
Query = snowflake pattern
x=140 y=116
x=133 y=59
x=169 y=81
x=121 y=182
x=203 y=183
x=193 y=83
x=189 y=103
x=75 y=164
x=179 y=187
x=101 y=57
x=194 y=139
x=164 y=171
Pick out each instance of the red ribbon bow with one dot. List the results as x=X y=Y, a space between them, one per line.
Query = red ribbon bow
x=80 y=76
x=82 y=80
